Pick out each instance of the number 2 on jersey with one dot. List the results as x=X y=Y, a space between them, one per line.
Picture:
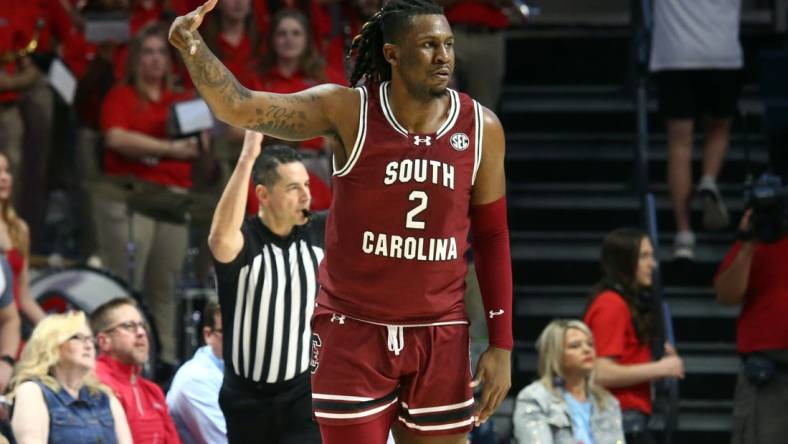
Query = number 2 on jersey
x=410 y=221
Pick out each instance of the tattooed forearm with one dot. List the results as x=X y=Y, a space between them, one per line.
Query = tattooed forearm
x=279 y=121
x=296 y=116
x=214 y=80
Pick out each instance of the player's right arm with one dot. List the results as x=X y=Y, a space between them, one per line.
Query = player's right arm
x=225 y=238
x=300 y=116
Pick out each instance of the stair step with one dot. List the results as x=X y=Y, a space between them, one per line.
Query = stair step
x=568 y=306
x=594 y=99
x=669 y=291
x=589 y=252
x=694 y=363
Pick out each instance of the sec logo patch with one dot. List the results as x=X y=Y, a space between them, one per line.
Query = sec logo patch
x=459 y=141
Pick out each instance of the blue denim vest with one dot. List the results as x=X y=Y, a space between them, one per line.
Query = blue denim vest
x=86 y=420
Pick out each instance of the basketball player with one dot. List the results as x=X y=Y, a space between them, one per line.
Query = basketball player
x=417 y=166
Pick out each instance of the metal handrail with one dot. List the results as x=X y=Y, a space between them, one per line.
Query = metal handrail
x=642 y=25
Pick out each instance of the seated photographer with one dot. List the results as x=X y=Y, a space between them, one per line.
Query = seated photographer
x=564 y=405
x=157 y=169
x=754 y=274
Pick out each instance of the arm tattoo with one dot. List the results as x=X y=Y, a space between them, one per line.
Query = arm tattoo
x=283 y=116
x=209 y=73
x=279 y=121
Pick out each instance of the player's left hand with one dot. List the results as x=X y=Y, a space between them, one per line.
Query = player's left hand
x=494 y=373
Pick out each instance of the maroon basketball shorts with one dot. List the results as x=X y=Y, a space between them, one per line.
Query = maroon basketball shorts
x=362 y=370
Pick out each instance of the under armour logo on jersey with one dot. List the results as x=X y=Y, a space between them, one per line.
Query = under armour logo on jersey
x=340 y=318
x=427 y=140
x=460 y=141
x=494 y=313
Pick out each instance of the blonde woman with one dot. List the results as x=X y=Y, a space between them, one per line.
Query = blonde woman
x=57 y=398
x=565 y=406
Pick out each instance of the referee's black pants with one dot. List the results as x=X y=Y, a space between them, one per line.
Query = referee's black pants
x=278 y=413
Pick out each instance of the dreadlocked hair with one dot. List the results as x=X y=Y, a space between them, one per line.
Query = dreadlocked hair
x=385 y=26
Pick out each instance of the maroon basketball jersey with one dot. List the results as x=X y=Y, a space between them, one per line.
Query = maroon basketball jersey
x=397 y=231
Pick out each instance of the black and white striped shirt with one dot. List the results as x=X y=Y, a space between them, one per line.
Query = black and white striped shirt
x=267 y=294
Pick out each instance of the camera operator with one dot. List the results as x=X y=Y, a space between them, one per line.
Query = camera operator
x=755 y=274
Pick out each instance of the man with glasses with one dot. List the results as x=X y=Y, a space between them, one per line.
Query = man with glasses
x=122 y=337
x=193 y=397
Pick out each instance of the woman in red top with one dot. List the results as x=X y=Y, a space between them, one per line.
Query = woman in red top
x=134 y=120
x=15 y=242
x=293 y=64
x=625 y=326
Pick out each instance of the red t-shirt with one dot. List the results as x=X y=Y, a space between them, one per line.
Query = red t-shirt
x=11 y=39
x=761 y=324
x=240 y=60
x=142 y=400
x=615 y=337
x=276 y=82
x=123 y=108
x=474 y=12
x=317 y=15
x=48 y=17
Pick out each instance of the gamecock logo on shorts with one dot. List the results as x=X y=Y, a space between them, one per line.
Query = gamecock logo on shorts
x=314 y=362
x=459 y=141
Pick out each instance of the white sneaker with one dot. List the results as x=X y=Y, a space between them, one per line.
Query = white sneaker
x=684 y=246
x=715 y=215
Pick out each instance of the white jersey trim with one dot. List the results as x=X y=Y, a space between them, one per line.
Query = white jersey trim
x=428 y=324
x=454 y=113
x=441 y=408
x=341 y=397
x=478 y=119
x=428 y=428
x=387 y=112
x=355 y=153
x=356 y=414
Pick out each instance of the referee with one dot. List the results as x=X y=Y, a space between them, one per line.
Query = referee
x=266 y=268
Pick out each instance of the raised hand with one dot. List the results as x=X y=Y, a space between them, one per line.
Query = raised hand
x=182 y=29
x=251 y=147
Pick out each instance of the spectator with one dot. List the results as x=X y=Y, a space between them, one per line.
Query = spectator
x=17 y=75
x=697 y=59
x=45 y=163
x=347 y=17
x=57 y=398
x=624 y=326
x=233 y=36
x=753 y=275
x=15 y=241
x=9 y=328
x=193 y=397
x=293 y=65
x=565 y=405
x=479 y=47
x=134 y=121
x=122 y=336
x=315 y=11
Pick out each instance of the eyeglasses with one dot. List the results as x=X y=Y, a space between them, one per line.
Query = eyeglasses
x=130 y=326
x=85 y=339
